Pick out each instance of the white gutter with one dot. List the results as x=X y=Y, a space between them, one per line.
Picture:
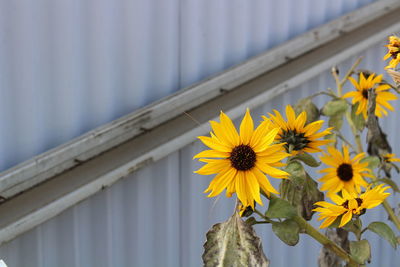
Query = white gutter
x=62 y=158
x=147 y=139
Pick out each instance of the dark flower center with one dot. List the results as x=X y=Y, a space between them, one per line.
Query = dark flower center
x=394 y=53
x=365 y=93
x=346 y=203
x=345 y=172
x=243 y=158
x=296 y=140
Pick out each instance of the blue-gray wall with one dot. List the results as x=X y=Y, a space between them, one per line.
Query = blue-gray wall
x=159 y=216
x=68 y=66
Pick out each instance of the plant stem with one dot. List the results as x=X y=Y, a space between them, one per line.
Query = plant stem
x=389 y=209
x=391 y=214
x=385 y=204
x=314 y=233
x=350 y=71
x=356 y=134
x=323 y=240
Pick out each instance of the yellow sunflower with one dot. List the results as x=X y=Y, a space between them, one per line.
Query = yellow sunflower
x=295 y=134
x=361 y=94
x=345 y=173
x=393 y=52
x=241 y=160
x=349 y=204
x=390 y=157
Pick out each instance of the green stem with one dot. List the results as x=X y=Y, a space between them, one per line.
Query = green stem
x=314 y=233
x=391 y=214
x=356 y=134
x=389 y=209
x=385 y=204
x=323 y=240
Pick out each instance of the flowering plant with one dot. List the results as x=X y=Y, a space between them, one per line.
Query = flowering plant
x=352 y=180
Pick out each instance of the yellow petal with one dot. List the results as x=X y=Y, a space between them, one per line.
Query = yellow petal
x=272 y=171
x=253 y=186
x=228 y=126
x=213 y=167
x=346 y=218
x=211 y=154
x=246 y=128
x=222 y=135
x=264 y=182
x=328 y=222
x=213 y=144
x=291 y=116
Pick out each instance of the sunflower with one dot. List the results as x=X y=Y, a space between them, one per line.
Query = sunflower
x=345 y=173
x=349 y=204
x=297 y=136
x=390 y=157
x=242 y=160
x=393 y=52
x=361 y=95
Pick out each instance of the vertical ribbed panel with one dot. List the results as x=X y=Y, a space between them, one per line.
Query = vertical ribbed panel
x=159 y=216
x=69 y=66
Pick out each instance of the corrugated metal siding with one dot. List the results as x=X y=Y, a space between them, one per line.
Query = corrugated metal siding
x=158 y=216
x=69 y=66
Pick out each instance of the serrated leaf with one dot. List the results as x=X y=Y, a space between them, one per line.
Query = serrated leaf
x=384 y=231
x=311 y=194
x=307 y=159
x=358 y=120
x=291 y=192
x=300 y=190
x=279 y=208
x=336 y=121
x=296 y=171
x=389 y=182
x=335 y=107
x=309 y=107
x=233 y=243
x=373 y=162
x=287 y=231
x=360 y=251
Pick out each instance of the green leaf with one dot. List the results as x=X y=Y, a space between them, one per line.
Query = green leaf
x=360 y=250
x=335 y=107
x=279 y=208
x=287 y=231
x=251 y=221
x=336 y=121
x=373 y=162
x=300 y=190
x=383 y=230
x=358 y=120
x=233 y=243
x=309 y=107
x=307 y=159
x=354 y=226
x=389 y=182
x=310 y=195
x=296 y=171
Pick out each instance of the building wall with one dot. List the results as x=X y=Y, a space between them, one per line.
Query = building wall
x=69 y=66
x=158 y=216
